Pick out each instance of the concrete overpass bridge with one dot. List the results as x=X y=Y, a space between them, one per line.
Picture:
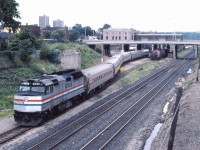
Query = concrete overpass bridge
x=173 y=45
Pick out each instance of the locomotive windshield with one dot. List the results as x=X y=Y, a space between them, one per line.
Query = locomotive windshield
x=31 y=88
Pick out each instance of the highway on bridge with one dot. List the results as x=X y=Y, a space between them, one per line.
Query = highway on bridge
x=185 y=42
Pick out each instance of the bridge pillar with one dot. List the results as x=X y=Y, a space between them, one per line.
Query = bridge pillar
x=152 y=47
x=102 y=50
x=107 y=50
x=122 y=48
x=196 y=51
x=175 y=51
x=136 y=47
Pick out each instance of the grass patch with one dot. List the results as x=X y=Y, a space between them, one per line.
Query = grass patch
x=43 y=66
x=137 y=74
x=5 y=63
x=183 y=52
x=6 y=106
x=6 y=114
x=89 y=57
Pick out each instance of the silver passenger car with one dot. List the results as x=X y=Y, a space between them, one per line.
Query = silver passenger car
x=145 y=52
x=115 y=62
x=126 y=56
x=136 y=54
x=98 y=75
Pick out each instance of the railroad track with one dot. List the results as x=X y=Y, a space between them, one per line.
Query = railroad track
x=11 y=134
x=72 y=128
x=8 y=136
x=115 y=127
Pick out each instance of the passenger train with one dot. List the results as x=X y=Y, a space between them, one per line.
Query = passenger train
x=40 y=97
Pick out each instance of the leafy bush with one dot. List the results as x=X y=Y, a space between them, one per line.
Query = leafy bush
x=44 y=53
x=5 y=63
x=53 y=57
x=6 y=102
x=10 y=55
x=3 y=44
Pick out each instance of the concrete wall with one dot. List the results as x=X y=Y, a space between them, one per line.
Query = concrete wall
x=70 y=59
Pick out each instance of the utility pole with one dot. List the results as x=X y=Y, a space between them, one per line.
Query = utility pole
x=85 y=33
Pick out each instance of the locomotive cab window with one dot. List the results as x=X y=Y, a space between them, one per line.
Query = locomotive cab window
x=31 y=87
x=49 y=89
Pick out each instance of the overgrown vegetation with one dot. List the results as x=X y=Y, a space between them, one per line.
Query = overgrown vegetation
x=88 y=56
x=136 y=74
x=184 y=52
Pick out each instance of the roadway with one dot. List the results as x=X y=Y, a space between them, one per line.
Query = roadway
x=101 y=42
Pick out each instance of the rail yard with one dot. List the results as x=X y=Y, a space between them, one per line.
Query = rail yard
x=121 y=120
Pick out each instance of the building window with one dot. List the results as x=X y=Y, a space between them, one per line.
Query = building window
x=119 y=37
x=116 y=38
x=125 y=33
x=106 y=37
x=113 y=38
x=125 y=38
x=119 y=33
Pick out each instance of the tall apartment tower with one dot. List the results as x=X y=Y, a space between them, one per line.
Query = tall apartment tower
x=58 y=23
x=43 y=21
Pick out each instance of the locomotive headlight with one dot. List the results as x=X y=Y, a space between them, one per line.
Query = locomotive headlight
x=26 y=99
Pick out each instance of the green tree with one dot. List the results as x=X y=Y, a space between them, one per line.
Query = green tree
x=26 y=50
x=59 y=35
x=3 y=44
x=8 y=11
x=26 y=42
x=24 y=35
x=106 y=26
x=89 y=31
x=47 y=34
x=73 y=35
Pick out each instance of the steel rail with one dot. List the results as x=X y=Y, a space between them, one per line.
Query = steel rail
x=92 y=141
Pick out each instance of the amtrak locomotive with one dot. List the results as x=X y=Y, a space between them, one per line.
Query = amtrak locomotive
x=39 y=98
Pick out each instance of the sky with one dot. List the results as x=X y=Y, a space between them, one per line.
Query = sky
x=142 y=15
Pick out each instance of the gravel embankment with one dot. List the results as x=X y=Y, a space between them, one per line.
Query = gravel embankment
x=187 y=129
x=187 y=135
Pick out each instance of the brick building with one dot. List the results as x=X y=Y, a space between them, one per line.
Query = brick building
x=33 y=28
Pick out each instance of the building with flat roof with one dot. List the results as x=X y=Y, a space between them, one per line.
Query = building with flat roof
x=112 y=34
x=158 y=37
x=43 y=21
x=58 y=23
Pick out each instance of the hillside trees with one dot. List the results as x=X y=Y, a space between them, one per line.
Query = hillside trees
x=59 y=35
x=8 y=13
x=47 y=34
x=25 y=42
x=3 y=44
x=77 y=32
